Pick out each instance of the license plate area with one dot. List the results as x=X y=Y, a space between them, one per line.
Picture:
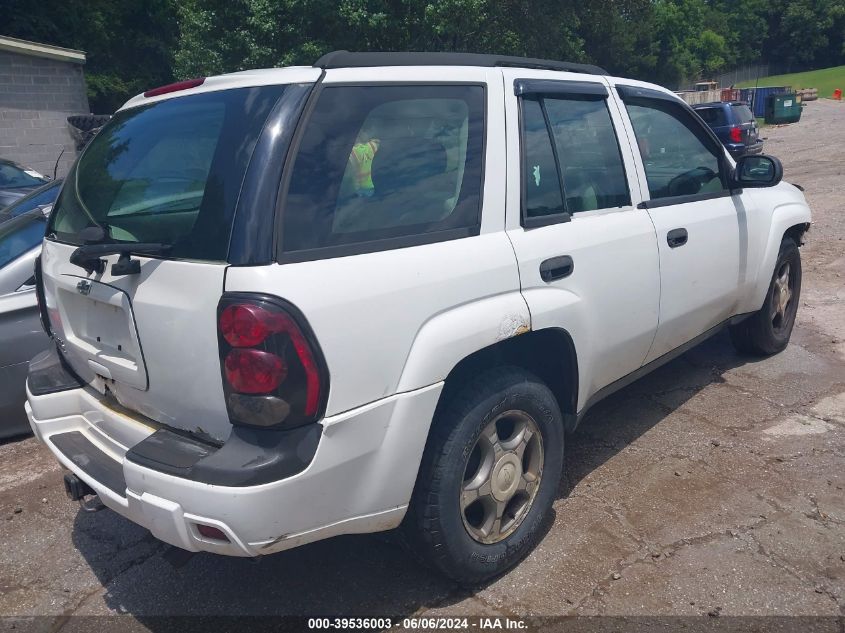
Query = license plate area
x=100 y=328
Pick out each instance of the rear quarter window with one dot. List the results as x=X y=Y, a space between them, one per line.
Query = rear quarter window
x=384 y=166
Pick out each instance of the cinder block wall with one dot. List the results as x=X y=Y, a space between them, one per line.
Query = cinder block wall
x=36 y=97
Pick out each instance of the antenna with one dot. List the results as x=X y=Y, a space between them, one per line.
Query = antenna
x=56 y=168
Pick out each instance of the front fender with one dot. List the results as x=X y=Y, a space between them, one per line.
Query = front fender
x=789 y=208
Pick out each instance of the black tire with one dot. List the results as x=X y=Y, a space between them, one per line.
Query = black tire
x=764 y=334
x=434 y=525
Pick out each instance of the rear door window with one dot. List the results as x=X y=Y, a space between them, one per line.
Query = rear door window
x=386 y=166
x=540 y=183
x=590 y=159
x=714 y=117
x=167 y=173
x=571 y=158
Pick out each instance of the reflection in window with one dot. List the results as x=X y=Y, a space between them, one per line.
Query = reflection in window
x=19 y=235
x=539 y=179
x=678 y=156
x=590 y=160
x=379 y=162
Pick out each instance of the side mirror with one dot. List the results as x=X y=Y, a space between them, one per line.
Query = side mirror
x=757 y=171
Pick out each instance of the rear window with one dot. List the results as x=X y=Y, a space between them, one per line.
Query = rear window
x=167 y=173
x=742 y=113
x=714 y=117
x=43 y=197
x=19 y=235
x=386 y=166
x=14 y=177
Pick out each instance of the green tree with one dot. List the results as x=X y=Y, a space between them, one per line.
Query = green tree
x=128 y=42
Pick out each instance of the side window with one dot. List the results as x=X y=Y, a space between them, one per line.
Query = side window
x=540 y=183
x=679 y=157
x=384 y=162
x=589 y=155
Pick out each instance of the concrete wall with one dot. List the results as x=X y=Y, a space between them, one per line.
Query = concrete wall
x=36 y=97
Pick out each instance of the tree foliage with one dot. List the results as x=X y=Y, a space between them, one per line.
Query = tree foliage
x=135 y=44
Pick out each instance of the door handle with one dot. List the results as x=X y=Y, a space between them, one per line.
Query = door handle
x=676 y=238
x=556 y=268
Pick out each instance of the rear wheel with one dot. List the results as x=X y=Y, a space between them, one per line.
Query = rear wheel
x=768 y=330
x=488 y=476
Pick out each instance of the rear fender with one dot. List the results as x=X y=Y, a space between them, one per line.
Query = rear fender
x=449 y=337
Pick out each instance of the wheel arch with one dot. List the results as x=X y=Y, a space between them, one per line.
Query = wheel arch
x=549 y=354
x=788 y=220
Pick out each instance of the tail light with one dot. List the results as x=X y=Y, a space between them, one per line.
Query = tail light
x=274 y=374
x=735 y=134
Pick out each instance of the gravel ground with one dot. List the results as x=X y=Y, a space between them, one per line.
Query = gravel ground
x=715 y=485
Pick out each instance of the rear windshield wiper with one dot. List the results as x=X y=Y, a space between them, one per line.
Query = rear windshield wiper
x=88 y=256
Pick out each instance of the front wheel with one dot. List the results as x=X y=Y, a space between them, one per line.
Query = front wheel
x=768 y=330
x=489 y=475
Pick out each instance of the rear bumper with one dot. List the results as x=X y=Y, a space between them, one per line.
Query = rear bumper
x=360 y=478
x=740 y=150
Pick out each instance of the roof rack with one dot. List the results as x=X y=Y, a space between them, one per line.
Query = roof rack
x=346 y=59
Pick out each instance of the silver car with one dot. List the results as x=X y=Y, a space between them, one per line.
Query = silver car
x=21 y=334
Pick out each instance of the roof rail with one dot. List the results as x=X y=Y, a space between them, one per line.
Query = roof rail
x=346 y=59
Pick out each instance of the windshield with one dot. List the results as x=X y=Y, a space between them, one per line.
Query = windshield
x=42 y=197
x=20 y=234
x=167 y=173
x=14 y=177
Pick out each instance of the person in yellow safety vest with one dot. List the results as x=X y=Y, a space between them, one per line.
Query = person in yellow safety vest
x=361 y=157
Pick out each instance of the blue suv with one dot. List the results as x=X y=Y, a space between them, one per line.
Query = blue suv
x=734 y=124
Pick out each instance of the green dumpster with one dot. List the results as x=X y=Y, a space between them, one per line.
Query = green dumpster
x=783 y=108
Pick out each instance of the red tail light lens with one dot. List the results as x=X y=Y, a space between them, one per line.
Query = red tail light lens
x=254 y=371
x=274 y=373
x=246 y=325
x=735 y=134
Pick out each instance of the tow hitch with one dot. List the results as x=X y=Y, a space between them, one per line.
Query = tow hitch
x=77 y=490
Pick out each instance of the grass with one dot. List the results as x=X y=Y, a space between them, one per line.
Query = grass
x=825 y=79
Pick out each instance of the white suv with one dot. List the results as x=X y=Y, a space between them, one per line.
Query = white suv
x=301 y=302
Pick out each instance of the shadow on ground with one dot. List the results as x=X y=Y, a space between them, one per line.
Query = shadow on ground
x=358 y=575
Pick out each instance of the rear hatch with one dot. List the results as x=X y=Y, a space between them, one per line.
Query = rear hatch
x=164 y=179
x=744 y=119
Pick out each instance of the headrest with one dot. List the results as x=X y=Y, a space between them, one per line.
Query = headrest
x=402 y=163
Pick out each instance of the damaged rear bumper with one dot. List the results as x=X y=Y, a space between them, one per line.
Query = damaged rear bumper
x=352 y=473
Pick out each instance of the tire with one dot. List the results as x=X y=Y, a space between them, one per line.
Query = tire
x=446 y=531
x=768 y=330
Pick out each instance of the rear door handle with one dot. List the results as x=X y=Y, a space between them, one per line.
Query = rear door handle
x=556 y=268
x=676 y=238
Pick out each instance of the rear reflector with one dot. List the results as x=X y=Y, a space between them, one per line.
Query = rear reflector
x=209 y=531
x=175 y=87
